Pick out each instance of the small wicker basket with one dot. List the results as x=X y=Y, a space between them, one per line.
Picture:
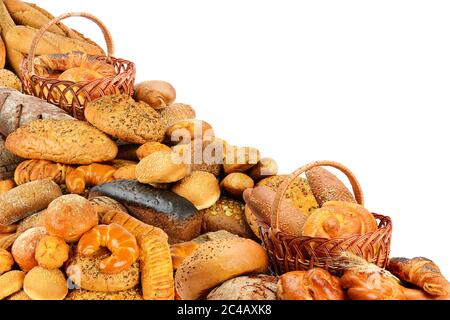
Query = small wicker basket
x=290 y=253
x=73 y=96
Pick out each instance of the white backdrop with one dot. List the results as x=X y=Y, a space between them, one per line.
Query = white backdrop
x=365 y=83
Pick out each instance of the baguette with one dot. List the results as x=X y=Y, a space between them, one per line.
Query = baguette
x=13 y=57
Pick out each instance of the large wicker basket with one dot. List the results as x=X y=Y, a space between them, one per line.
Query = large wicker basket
x=73 y=96
x=290 y=253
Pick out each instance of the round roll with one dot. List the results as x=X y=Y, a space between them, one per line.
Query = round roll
x=216 y=262
x=156 y=93
x=177 y=112
x=52 y=252
x=161 y=167
x=24 y=248
x=44 y=284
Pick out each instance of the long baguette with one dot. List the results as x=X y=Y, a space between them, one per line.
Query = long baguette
x=13 y=57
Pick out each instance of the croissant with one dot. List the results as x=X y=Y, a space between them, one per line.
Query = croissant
x=378 y=285
x=32 y=170
x=89 y=176
x=315 y=284
x=421 y=272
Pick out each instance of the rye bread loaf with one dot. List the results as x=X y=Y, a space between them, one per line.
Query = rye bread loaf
x=63 y=141
x=122 y=117
x=160 y=208
x=17 y=110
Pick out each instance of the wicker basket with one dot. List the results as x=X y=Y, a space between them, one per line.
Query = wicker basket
x=290 y=253
x=73 y=96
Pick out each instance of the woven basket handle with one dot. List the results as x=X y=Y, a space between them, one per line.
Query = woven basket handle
x=41 y=32
x=276 y=207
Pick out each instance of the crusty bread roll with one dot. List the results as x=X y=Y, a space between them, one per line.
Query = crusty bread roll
x=44 y=284
x=161 y=167
x=266 y=167
x=258 y=287
x=151 y=147
x=132 y=294
x=215 y=262
x=226 y=214
x=69 y=217
x=236 y=183
x=201 y=188
x=51 y=252
x=27 y=199
x=177 y=112
x=64 y=141
x=157 y=94
x=122 y=117
x=24 y=248
x=6 y=261
x=160 y=208
x=85 y=273
x=10 y=283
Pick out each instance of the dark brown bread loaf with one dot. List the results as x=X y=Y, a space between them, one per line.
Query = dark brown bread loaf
x=160 y=208
x=17 y=109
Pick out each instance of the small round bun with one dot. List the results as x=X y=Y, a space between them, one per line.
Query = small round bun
x=52 y=252
x=69 y=217
x=10 y=283
x=201 y=188
x=161 y=167
x=156 y=93
x=236 y=183
x=215 y=262
x=6 y=261
x=45 y=284
x=24 y=248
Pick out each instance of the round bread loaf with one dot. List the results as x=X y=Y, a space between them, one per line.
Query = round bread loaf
x=236 y=183
x=10 y=283
x=299 y=192
x=85 y=273
x=24 y=200
x=177 y=112
x=44 y=284
x=156 y=93
x=160 y=208
x=132 y=294
x=259 y=287
x=63 y=141
x=69 y=217
x=122 y=117
x=215 y=262
x=24 y=248
x=227 y=214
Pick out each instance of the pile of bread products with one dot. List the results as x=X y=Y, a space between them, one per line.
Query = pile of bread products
x=142 y=201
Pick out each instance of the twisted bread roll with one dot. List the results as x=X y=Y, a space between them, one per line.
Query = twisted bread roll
x=32 y=170
x=89 y=176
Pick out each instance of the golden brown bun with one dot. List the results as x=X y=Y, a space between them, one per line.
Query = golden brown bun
x=177 y=112
x=298 y=193
x=339 y=219
x=200 y=188
x=227 y=214
x=24 y=200
x=240 y=159
x=69 y=217
x=132 y=294
x=85 y=272
x=156 y=269
x=44 y=284
x=157 y=94
x=5 y=186
x=64 y=141
x=19 y=296
x=315 y=284
x=10 y=283
x=151 y=147
x=260 y=202
x=122 y=117
x=6 y=261
x=89 y=176
x=258 y=287
x=215 y=262
x=161 y=167
x=9 y=79
x=51 y=252
x=185 y=131
x=24 y=248
x=327 y=187
x=33 y=170
x=236 y=183
x=266 y=167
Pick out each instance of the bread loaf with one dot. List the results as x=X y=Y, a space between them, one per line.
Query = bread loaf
x=63 y=141
x=44 y=284
x=258 y=287
x=160 y=208
x=27 y=199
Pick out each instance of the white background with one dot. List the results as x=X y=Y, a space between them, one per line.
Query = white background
x=365 y=83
